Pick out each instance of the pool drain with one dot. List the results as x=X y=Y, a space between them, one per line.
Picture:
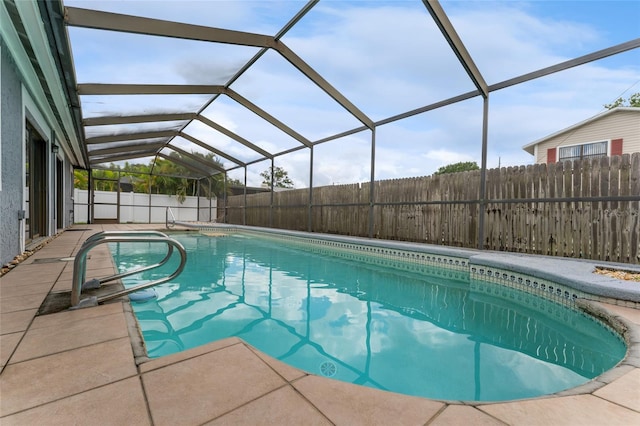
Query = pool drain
x=328 y=369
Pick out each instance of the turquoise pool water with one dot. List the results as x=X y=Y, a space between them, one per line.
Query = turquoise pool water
x=415 y=329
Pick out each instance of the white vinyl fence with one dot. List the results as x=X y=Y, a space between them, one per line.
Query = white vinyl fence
x=142 y=208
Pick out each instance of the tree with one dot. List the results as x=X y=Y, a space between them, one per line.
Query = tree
x=280 y=178
x=462 y=166
x=105 y=180
x=234 y=182
x=172 y=177
x=80 y=179
x=168 y=177
x=633 y=101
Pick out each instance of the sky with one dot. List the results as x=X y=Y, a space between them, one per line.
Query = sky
x=385 y=57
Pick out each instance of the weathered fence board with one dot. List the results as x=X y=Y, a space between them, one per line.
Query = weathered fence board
x=567 y=209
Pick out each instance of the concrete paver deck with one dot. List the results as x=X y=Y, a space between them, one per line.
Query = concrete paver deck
x=78 y=367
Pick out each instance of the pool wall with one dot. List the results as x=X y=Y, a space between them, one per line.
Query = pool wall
x=562 y=280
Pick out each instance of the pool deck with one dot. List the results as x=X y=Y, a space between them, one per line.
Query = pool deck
x=80 y=367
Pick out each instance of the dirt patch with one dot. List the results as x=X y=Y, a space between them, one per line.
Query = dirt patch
x=619 y=274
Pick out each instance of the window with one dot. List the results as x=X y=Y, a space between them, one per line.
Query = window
x=576 y=152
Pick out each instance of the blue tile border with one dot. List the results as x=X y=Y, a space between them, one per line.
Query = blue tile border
x=540 y=287
x=421 y=263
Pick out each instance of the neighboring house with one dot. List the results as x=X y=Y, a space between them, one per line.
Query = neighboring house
x=239 y=190
x=613 y=132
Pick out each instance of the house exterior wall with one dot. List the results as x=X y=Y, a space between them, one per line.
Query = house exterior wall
x=623 y=125
x=32 y=94
x=16 y=108
x=11 y=156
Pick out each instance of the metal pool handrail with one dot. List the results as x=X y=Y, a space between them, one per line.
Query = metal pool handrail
x=95 y=282
x=166 y=218
x=79 y=264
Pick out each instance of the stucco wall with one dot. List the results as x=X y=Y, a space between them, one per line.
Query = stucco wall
x=12 y=161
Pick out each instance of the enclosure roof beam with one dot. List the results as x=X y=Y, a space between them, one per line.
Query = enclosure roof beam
x=131 y=119
x=233 y=136
x=301 y=13
x=448 y=31
x=210 y=148
x=139 y=25
x=323 y=84
x=148 y=89
x=193 y=167
x=52 y=19
x=266 y=116
x=137 y=172
x=125 y=144
x=430 y=107
x=151 y=147
x=130 y=136
x=202 y=161
x=95 y=19
x=118 y=154
x=111 y=158
x=600 y=54
x=164 y=89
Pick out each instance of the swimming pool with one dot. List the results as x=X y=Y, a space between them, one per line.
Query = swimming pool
x=401 y=321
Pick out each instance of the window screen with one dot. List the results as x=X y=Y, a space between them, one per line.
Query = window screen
x=576 y=152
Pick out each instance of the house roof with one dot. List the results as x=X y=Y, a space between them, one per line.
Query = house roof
x=530 y=146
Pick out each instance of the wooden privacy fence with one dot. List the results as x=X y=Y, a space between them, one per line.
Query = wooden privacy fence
x=585 y=209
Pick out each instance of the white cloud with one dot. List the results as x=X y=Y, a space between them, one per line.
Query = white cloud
x=445 y=156
x=385 y=59
x=505 y=40
x=251 y=16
